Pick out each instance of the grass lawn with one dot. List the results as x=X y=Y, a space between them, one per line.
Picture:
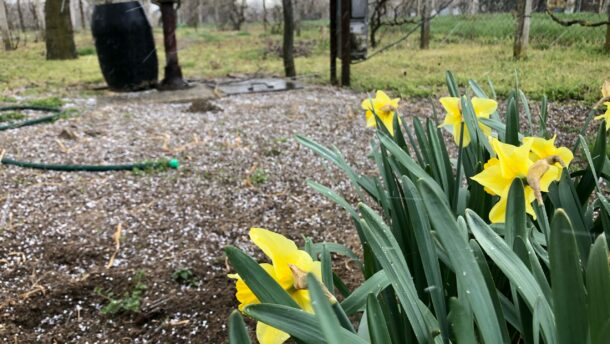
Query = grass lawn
x=563 y=63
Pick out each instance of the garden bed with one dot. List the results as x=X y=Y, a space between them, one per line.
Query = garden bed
x=240 y=167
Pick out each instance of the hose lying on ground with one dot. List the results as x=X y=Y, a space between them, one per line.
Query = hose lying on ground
x=144 y=166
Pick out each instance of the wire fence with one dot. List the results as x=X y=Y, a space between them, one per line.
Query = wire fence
x=500 y=27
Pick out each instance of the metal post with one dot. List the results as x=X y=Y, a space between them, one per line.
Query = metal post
x=173 y=73
x=333 y=42
x=346 y=46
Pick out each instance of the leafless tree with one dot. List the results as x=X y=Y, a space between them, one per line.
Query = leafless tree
x=237 y=13
x=586 y=23
x=59 y=35
x=5 y=29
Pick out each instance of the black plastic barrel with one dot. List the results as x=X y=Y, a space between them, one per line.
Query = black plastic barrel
x=125 y=46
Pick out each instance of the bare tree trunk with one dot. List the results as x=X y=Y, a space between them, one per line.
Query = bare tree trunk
x=217 y=12
x=59 y=34
x=424 y=40
x=474 y=7
x=83 y=20
x=265 y=15
x=522 y=32
x=4 y=29
x=20 y=14
x=288 y=46
x=607 y=44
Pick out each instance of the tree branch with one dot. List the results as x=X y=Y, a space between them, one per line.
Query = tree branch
x=580 y=22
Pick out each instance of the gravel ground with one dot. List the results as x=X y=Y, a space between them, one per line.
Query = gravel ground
x=56 y=229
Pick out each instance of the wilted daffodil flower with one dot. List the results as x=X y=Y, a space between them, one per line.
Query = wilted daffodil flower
x=483 y=108
x=605 y=116
x=516 y=162
x=285 y=258
x=543 y=149
x=384 y=107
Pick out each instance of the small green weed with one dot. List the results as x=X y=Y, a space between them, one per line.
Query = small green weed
x=129 y=303
x=86 y=51
x=7 y=99
x=185 y=277
x=11 y=116
x=259 y=177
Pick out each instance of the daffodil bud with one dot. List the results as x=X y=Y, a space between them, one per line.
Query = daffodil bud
x=537 y=170
x=300 y=282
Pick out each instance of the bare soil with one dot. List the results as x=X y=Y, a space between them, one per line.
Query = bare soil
x=56 y=229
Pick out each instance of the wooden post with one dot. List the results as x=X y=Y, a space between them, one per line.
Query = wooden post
x=288 y=46
x=424 y=40
x=173 y=73
x=346 y=46
x=333 y=42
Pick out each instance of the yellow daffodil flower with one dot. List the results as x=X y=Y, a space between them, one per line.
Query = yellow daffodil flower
x=605 y=116
x=384 y=107
x=483 y=108
x=283 y=254
x=499 y=172
x=542 y=149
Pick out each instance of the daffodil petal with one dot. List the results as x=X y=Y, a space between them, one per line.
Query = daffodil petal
x=491 y=178
x=482 y=107
x=565 y=154
x=270 y=335
x=272 y=244
x=456 y=135
x=498 y=212
x=370 y=119
x=382 y=97
x=367 y=104
x=452 y=106
x=303 y=300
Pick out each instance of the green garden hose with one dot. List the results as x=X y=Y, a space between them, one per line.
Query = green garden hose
x=144 y=166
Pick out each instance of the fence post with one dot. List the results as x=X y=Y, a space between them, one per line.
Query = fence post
x=522 y=32
x=346 y=46
x=333 y=42
x=424 y=40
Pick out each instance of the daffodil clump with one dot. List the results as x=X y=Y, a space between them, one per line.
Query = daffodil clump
x=453 y=248
x=286 y=261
